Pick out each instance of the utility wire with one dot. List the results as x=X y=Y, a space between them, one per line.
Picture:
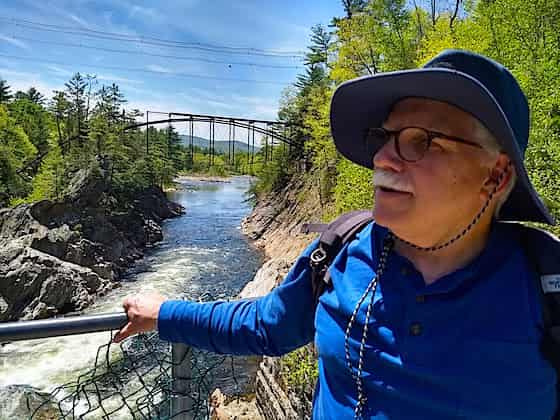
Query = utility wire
x=174 y=57
x=150 y=40
x=173 y=74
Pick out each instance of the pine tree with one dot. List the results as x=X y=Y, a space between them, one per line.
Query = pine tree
x=110 y=102
x=35 y=96
x=60 y=108
x=353 y=6
x=316 y=60
x=321 y=41
x=32 y=95
x=5 y=95
x=75 y=95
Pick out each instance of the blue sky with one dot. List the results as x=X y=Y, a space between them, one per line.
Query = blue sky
x=278 y=26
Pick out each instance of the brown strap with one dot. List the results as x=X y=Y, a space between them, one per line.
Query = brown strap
x=313 y=227
x=333 y=237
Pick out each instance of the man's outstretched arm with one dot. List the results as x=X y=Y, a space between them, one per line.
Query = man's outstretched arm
x=273 y=325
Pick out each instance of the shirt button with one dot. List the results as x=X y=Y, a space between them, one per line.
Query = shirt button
x=420 y=299
x=415 y=329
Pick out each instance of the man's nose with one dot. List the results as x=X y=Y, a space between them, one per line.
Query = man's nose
x=387 y=157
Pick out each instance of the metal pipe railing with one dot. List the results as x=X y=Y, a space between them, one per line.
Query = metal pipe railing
x=29 y=330
x=181 y=404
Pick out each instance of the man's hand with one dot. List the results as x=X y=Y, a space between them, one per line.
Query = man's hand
x=142 y=311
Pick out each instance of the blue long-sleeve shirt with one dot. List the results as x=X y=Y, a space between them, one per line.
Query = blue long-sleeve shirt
x=466 y=346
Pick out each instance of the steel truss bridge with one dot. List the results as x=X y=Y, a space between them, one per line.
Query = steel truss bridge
x=274 y=133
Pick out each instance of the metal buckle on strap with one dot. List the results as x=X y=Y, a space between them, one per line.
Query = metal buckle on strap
x=318 y=256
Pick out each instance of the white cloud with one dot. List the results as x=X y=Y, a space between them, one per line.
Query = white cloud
x=146 y=12
x=17 y=74
x=15 y=42
x=20 y=80
x=79 y=20
x=158 y=68
x=59 y=71
x=114 y=78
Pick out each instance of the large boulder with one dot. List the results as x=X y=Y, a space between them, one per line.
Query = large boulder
x=36 y=285
x=87 y=188
x=24 y=402
x=153 y=203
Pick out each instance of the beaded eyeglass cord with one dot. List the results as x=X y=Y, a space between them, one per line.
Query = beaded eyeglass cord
x=388 y=244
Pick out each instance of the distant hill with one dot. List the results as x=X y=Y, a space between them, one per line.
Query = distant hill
x=220 y=146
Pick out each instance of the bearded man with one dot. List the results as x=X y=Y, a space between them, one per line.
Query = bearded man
x=434 y=310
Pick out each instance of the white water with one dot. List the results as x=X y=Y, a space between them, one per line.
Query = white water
x=203 y=252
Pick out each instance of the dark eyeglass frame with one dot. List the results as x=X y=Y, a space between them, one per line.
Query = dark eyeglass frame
x=387 y=134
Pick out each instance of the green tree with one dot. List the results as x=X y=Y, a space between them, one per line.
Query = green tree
x=15 y=152
x=35 y=121
x=384 y=38
x=76 y=99
x=352 y=7
x=49 y=181
x=32 y=94
x=5 y=95
x=60 y=108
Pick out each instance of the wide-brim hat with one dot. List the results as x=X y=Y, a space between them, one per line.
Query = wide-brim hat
x=469 y=81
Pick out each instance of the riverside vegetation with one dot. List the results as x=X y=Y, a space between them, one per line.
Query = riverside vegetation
x=44 y=143
x=80 y=196
x=41 y=145
x=385 y=35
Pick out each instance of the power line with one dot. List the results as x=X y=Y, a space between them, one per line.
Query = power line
x=150 y=40
x=174 y=74
x=174 y=57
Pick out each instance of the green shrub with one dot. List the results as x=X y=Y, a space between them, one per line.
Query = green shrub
x=299 y=371
x=353 y=189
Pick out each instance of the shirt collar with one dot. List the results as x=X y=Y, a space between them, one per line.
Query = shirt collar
x=499 y=246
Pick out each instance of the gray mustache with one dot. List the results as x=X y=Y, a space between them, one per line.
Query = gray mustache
x=388 y=179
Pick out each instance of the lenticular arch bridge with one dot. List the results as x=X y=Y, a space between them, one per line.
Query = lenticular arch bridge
x=274 y=133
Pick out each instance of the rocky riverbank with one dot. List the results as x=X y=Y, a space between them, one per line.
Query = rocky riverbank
x=57 y=257
x=274 y=225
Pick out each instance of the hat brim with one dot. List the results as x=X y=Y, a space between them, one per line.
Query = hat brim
x=362 y=103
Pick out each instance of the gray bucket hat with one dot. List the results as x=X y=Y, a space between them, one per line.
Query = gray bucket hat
x=469 y=81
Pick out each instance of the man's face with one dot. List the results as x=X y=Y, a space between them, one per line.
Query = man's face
x=446 y=185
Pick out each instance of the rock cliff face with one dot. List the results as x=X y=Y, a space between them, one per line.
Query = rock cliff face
x=276 y=220
x=275 y=225
x=55 y=257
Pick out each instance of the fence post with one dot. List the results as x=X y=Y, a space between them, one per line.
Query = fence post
x=181 y=402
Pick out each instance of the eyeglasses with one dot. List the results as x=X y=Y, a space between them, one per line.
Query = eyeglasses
x=411 y=143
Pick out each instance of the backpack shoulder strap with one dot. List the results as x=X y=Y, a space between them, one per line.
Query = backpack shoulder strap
x=333 y=238
x=543 y=250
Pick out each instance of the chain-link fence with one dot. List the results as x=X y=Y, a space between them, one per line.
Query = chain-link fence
x=145 y=378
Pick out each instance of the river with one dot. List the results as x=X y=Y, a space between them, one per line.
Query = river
x=203 y=256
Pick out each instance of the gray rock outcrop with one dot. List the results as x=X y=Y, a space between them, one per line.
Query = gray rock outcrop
x=55 y=257
x=22 y=402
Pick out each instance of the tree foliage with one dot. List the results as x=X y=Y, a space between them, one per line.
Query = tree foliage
x=15 y=151
x=385 y=35
x=5 y=94
x=42 y=145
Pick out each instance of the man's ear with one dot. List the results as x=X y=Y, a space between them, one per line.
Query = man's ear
x=501 y=173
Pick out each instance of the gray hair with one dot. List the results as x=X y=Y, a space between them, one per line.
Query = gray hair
x=490 y=144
